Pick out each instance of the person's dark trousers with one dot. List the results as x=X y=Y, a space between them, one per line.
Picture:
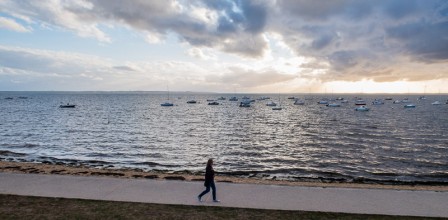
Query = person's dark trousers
x=212 y=185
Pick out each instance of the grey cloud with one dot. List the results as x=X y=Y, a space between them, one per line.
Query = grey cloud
x=162 y=17
x=125 y=68
x=341 y=60
x=398 y=9
x=365 y=39
x=323 y=10
x=423 y=41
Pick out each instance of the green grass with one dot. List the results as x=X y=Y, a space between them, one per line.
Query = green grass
x=26 y=207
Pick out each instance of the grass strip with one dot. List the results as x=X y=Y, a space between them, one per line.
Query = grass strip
x=28 y=207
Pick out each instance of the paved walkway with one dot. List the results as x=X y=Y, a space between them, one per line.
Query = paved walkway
x=366 y=201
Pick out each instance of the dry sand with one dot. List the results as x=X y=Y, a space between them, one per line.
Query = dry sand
x=22 y=167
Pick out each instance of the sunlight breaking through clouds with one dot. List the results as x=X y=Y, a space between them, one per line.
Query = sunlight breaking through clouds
x=254 y=45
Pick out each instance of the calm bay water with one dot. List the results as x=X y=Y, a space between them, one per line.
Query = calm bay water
x=389 y=144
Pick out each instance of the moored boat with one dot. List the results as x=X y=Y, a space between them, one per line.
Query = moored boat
x=167 y=104
x=323 y=102
x=271 y=103
x=233 y=99
x=360 y=102
x=244 y=104
x=409 y=106
x=67 y=106
x=213 y=103
x=333 y=105
x=362 y=108
x=378 y=102
x=191 y=102
x=405 y=100
x=299 y=102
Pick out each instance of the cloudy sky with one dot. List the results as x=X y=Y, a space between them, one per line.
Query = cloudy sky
x=391 y=46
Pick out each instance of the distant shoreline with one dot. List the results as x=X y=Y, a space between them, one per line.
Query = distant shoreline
x=39 y=168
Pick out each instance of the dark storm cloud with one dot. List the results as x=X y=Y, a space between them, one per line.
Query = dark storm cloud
x=360 y=39
x=323 y=10
x=424 y=41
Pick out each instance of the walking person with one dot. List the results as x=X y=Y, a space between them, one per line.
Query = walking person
x=209 y=181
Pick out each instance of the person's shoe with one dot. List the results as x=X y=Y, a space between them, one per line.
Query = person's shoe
x=216 y=200
x=199 y=199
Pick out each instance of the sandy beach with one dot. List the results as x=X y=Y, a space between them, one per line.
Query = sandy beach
x=40 y=168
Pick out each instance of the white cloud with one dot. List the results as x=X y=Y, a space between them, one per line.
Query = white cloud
x=200 y=54
x=11 y=24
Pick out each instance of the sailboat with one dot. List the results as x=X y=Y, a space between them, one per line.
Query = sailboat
x=167 y=103
x=279 y=107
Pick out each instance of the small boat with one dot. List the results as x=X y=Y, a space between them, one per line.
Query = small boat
x=210 y=100
x=409 y=106
x=436 y=103
x=406 y=100
x=191 y=102
x=333 y=105
x=221 y=98
x=323 y=102
x=378 y=102
x=362 y=109
x=233 y=99
x=244 y=104
x=299 y=102
x=9 y=98
x=277 y=108
x=213 y=103
x=23 y=97
x=291 y=97
x=388 y=98
x=360 y=102
x=339 y=98
x=344 y=101
x=167 y=103
x=422 y=98
x=397 y=102
x=271 y=103
x=67 y=106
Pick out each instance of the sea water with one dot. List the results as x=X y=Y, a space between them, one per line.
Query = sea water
x=311 y=142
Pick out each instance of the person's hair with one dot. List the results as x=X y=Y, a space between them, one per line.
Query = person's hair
x=209 y=162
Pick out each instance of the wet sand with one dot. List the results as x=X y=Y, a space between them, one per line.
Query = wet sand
x=39 y=168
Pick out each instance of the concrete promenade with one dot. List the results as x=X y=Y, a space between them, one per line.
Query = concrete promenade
x=364 y=201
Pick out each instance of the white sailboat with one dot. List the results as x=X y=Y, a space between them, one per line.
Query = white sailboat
x=279 y=107
x=299 y=102
x=167 y=103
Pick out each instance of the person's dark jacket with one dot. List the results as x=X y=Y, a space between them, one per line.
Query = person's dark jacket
x=209 y=175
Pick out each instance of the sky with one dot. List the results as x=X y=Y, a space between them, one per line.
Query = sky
x=230 y=46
